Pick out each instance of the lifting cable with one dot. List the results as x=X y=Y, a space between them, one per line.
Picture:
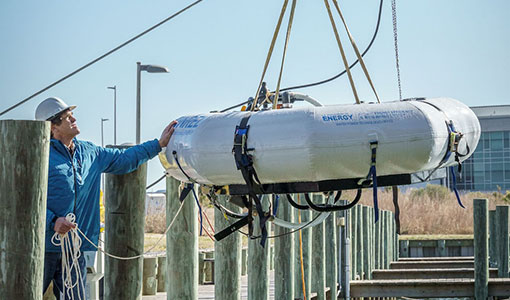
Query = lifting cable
x=351 y=66
x=270 y=52
x=302 y=86
x=344 y=59
x=395 y=38
x=101 y=57
x=289 y=27
x=362 y=63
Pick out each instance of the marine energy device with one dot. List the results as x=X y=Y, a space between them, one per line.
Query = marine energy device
x=322 y=148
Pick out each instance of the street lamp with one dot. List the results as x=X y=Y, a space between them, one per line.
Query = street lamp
x=114 y=88
x=139 y=69
x=102 y=145
x=102 y=138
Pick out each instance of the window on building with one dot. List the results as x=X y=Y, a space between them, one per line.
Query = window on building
x=496 y=141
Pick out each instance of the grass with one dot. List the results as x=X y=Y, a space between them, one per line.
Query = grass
x=427 y=213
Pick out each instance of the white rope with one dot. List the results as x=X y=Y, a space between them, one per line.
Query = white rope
x=70 y=244
x=143 y=254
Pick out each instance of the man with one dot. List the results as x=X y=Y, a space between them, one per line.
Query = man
x=75 y=169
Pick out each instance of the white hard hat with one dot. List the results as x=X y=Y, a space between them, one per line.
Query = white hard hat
x=51 y=107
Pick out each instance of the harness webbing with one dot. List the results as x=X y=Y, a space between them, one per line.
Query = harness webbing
x=244 y=163
x=371 y=178
x=373 y=174
x=190 y=187
x=454 y=138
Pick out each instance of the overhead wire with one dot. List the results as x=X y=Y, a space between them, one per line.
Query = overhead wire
x=100 y=58
x=376 y=31
x=352 y=65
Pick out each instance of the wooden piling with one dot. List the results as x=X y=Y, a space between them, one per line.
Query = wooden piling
x=481 y=230
x=284 y=254
x=377 y=244
x=161 y=274
x=360 y=250
x=244 y=261
x=124 y=230
x=149 y=281
x=344 y=241
x=258 y=260
x=395 y=237
x=502 y=214
x=353 y=232
x=371 y=231
x=404 y=248
x=181 y=244
x=441 y=248
x=306 y=241
x=385 y=234
x=201 y=267
x=227 y=260
x=24 y=152
x=366 y=242
x=391 y=235
x=493 y=240
x=331 y=238
x=318 y=255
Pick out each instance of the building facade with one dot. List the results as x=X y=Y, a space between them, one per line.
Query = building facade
x=488 y=169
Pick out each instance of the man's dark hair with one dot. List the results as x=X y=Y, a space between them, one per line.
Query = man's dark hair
x=57 y=120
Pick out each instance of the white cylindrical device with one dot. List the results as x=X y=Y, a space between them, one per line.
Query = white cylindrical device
x=311 y=144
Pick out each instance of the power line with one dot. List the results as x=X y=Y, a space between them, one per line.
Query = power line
x=100 y=58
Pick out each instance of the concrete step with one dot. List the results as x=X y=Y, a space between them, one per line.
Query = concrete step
x=451 y=258
x=426 y=288
x=446 y=264
x=428 y=273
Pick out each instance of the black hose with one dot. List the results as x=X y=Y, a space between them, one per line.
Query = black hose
x=225 y=210
x=296 y=205
x=330 y=208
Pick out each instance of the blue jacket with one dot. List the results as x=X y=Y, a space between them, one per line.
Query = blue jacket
x=74 y=182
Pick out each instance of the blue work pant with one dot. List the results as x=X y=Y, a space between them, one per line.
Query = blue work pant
x=53 y=271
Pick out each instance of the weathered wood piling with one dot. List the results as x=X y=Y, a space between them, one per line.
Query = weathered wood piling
x=181 y=244
x=24 y=152
x=481 y=237
x=258 y=260
x=227 y=260
x=124 y=233
x=284 y=254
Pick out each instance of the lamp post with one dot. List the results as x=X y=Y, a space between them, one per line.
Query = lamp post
x=114 y=88
x=102 y=145
x=139 y=69
x=102 y=138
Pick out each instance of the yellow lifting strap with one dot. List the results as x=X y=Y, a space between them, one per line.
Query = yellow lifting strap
x=360 y=58
x=270 y=52
x=289 y=27
x=344 y=59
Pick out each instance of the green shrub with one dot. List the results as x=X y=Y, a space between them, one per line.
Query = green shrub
x=432 y=191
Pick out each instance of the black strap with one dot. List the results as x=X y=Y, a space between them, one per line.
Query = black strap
x=244 y=163
x=232 y=228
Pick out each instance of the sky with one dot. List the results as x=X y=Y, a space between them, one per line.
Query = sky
x=216 y=52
